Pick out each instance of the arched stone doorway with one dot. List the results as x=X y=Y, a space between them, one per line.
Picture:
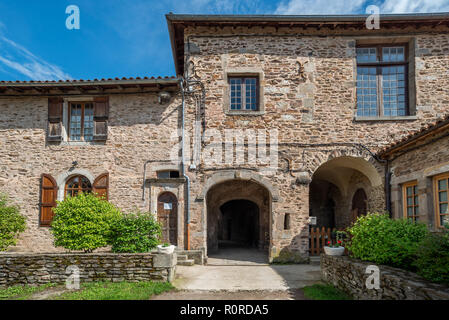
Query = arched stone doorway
x=238 y=214
x=167 y=215
x=341 y=185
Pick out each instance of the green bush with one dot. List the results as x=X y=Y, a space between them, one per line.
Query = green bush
x=377 y=238
x=135 y=232
x=11 y=223
x=84 y=222
x=432 y=260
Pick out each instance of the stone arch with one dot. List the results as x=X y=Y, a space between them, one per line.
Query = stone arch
x=63 y=177
x=348 y=174
x=228 y=190
x=248 y=175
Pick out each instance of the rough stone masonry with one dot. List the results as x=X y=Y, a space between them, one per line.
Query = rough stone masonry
x=307 y=92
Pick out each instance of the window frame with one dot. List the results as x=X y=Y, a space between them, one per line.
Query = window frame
x=83 y=104
x=243 y=90
x=443 y=176
x=379 y=64
x=79 y=188
x=405 y=206
x=170 y=173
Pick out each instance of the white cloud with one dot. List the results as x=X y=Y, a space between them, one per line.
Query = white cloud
x=17 y=58
x=412 y=6
x=304 y=7
x=301 y=7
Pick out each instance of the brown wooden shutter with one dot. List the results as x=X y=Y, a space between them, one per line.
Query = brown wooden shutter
x=101 y=115
x=101 y=185
x=49 y=193
x=55 y=119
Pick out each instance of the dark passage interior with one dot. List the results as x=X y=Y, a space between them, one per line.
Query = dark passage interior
x=238 y=225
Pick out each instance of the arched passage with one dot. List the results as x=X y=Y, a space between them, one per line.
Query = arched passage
x=238 y=213
x=335 y=186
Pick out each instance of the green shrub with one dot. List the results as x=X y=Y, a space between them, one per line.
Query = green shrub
x=135 y=232
x=432 y=260
x=377 y=238
x=83 y=222
x=11 y=223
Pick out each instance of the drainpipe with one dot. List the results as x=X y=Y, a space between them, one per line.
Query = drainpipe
x=187 y=195
x=388 y=188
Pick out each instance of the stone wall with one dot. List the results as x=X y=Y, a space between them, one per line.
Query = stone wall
x=134 y=136
x=37 y=269
x=349 y=275
x=313 y=111
x=421 y=164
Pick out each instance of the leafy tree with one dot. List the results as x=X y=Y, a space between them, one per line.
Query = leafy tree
x=135 y=232
x=11 y=223
x=84 y=222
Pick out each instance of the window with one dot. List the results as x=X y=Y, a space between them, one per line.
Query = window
x=410 y=200
x=287 y=221
x=77 y=184
x=167 y=174
x=382 y=80
x=441 y=190
x=81 y=121
x=244 y=93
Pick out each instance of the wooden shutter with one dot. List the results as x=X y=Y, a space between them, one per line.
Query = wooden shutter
x=54 y=119
x=101 y=115
x=49 y=193
x=101 y=185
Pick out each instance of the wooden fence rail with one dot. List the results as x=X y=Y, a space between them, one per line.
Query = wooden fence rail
x=318 y=238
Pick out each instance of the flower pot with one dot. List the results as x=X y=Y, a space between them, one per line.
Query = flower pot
x=334 y=251
x=167 y=250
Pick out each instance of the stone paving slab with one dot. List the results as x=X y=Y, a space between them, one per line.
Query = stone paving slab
x=238 y=278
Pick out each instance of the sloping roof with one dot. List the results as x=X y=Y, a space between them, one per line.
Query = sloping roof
x=116 y=85
x=431 y=129
x=178 y=22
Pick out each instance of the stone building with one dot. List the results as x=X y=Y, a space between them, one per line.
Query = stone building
x=270 y=120
x=420 y=172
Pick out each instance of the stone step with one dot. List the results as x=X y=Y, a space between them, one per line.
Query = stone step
x=187 y=262
x=181 y=257
x=315 y=260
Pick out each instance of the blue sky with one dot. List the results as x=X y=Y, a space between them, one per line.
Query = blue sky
x=129 y=38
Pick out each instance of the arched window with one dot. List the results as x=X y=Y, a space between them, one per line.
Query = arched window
x=77 y=184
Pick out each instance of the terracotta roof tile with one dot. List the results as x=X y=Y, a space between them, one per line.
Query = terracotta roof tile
x=429 y=127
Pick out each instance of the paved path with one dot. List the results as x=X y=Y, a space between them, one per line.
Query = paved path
x=237 y=278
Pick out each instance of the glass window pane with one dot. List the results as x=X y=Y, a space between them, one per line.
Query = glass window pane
x=443 y=208
x=442 y=196
x=366 y=55
x=442 y=184
x=236 y=93
x=366 y=91
x=394 y=96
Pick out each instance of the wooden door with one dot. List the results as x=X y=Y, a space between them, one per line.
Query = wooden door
x=167 y=215
x=359 y=204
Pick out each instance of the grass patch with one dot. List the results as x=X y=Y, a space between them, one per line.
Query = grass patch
x=22 y=292
x=116 y=291
x=324 y=292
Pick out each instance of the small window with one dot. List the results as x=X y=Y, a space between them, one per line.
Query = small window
x=167 y=174
x=410 y=200
x=81 y=121
x=441 y=189
x=287 y=221
x=382 y=87
x=76 y=185
x=244 y=93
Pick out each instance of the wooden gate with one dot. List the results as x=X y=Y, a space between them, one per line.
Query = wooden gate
x=318 y=238
x=167 y=215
